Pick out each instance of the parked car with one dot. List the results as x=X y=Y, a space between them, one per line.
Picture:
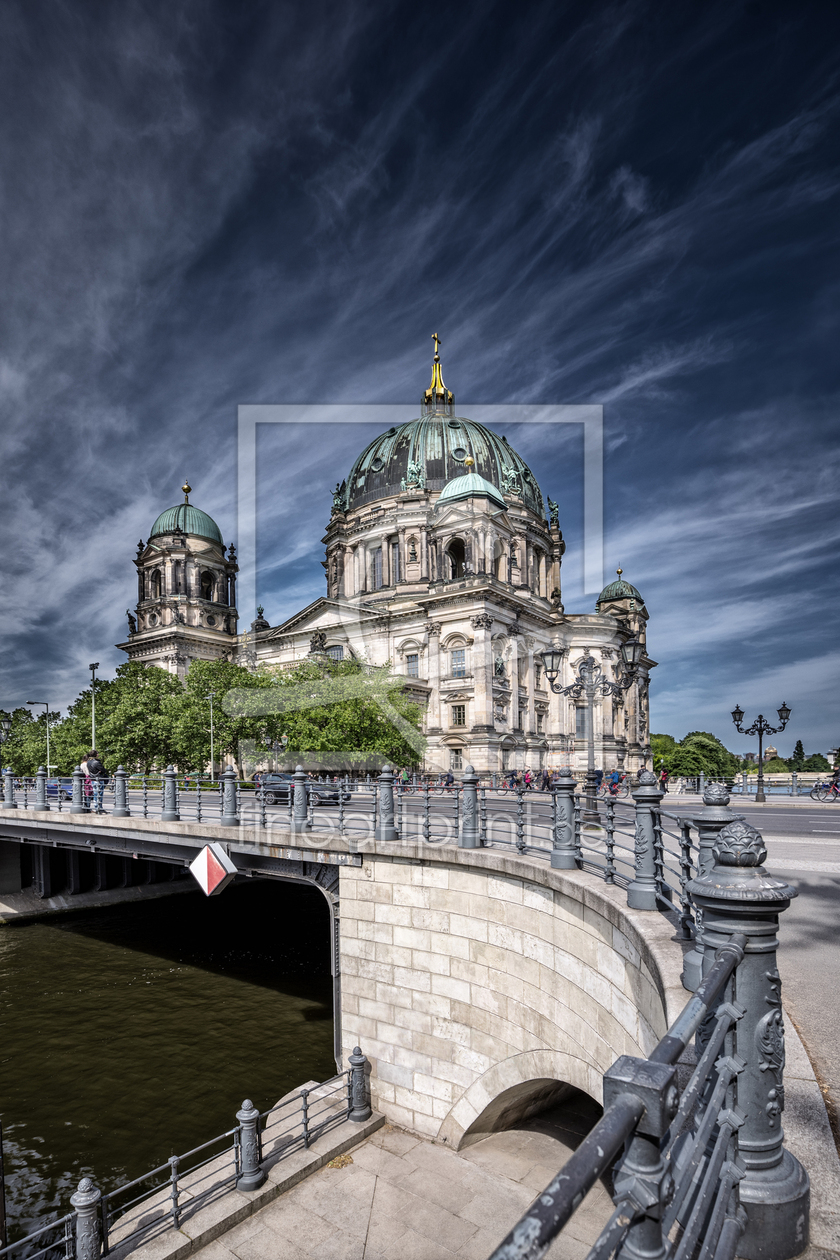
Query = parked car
x=60 y=789
x=278 y=786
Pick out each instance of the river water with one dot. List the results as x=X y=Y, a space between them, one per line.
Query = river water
x=133 y=1033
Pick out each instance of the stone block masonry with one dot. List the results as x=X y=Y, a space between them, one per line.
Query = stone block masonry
x=477 y=980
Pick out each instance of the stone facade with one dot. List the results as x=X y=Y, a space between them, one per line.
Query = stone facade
x=491 y=977
x=441 y=562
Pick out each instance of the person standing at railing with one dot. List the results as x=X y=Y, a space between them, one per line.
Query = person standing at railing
x=663 y=779
x=96 y=775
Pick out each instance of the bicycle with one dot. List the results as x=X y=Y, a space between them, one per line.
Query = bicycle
x=825 y=792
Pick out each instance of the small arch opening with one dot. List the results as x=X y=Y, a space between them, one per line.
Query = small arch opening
x=457 y=554
x=207 y=585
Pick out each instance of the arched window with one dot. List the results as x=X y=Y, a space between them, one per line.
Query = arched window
x=336 y=652
x=207 y=585
x=457 y=558
x=155 y=584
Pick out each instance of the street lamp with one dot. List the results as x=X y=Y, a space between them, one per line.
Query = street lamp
x=589 y=682
x=5 y=727
x=209 y=696
x=47 y=709
x=93 y=668
x=760 y=727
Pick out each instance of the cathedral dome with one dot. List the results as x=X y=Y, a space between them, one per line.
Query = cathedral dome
x=188 y=519
x=618 y=590
x=428 y=452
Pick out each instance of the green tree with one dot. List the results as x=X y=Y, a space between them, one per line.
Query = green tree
x=699 y=752
x=190 y=714
x=342 y=707
x=138 y=729
x=775 y=766
x=797 y=761
x=26 y=748
x=71 y=739
x=816 y=762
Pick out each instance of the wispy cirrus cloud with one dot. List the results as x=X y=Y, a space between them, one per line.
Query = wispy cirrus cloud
x=205 y=207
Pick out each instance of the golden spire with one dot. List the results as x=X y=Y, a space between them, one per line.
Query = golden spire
x=619 y=572
x=437 y=397
x=186 y=487
x=469 y=462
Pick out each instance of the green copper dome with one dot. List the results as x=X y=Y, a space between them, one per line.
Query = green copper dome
x=426 y=454
x=467 y=486
x=619 y=590
x=188 y=519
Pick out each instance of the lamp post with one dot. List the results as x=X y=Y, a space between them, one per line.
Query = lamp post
x=93 y=667
x=761 y=727
x=209 y=696
x=590 y=682
x=33 y=703
x=5 y=727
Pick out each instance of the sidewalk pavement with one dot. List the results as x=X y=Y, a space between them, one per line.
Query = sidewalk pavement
x=400 y=1197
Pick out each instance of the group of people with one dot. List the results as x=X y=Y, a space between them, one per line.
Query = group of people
x=96 y=776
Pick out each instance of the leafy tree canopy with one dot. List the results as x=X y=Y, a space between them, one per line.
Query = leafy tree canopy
x=699 y=752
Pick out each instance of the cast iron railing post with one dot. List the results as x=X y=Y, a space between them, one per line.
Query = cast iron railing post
x=641 y=891
x=229 y=816
x=299 y=820
x=86 y=1203
x=41 y=801
x=78 y=806
x=642 y=1180
x=520 y=819
x=469 y=837
x=359 y=1087
x=710 y=822
x=170 y=804
x=121 y=809
x=252 y=1174
x=563 y=852
x=738 y=895
x=385 y=829
x=9 y=801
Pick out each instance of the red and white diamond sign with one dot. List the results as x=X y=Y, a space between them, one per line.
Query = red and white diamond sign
x=213 y=869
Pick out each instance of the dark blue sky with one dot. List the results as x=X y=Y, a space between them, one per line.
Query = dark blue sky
x=633 y=204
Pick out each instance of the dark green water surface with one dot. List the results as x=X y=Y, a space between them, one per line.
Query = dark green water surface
x=133 y=1033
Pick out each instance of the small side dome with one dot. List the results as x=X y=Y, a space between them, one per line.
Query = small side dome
x=468 y=486
x=187 y=519
x=619 y=590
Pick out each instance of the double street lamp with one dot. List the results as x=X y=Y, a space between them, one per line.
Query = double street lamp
x=591 y=682
x=761 y=727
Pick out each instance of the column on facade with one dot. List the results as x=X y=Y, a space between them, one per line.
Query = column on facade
x=482 y=668
x=531 y=722
x=514 y=679
x=385 y=548
x=403 y=552
x=433 y=711
x=423 y=554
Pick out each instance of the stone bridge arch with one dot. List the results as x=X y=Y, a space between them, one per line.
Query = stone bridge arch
x=477 y=980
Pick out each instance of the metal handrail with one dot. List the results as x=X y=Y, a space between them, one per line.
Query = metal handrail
x=532 y=1235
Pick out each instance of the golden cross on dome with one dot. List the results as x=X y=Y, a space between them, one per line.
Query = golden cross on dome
x=437 y=341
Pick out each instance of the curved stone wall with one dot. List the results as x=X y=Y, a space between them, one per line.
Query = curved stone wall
x=471 y=974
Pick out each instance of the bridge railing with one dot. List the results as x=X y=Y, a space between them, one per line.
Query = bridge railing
x=702 y=1173
x=130 y=1214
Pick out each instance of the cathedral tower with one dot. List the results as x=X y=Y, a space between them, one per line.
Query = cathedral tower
x=186 y=592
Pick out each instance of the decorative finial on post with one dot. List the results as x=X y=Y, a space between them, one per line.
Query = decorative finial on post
x=186 y=487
